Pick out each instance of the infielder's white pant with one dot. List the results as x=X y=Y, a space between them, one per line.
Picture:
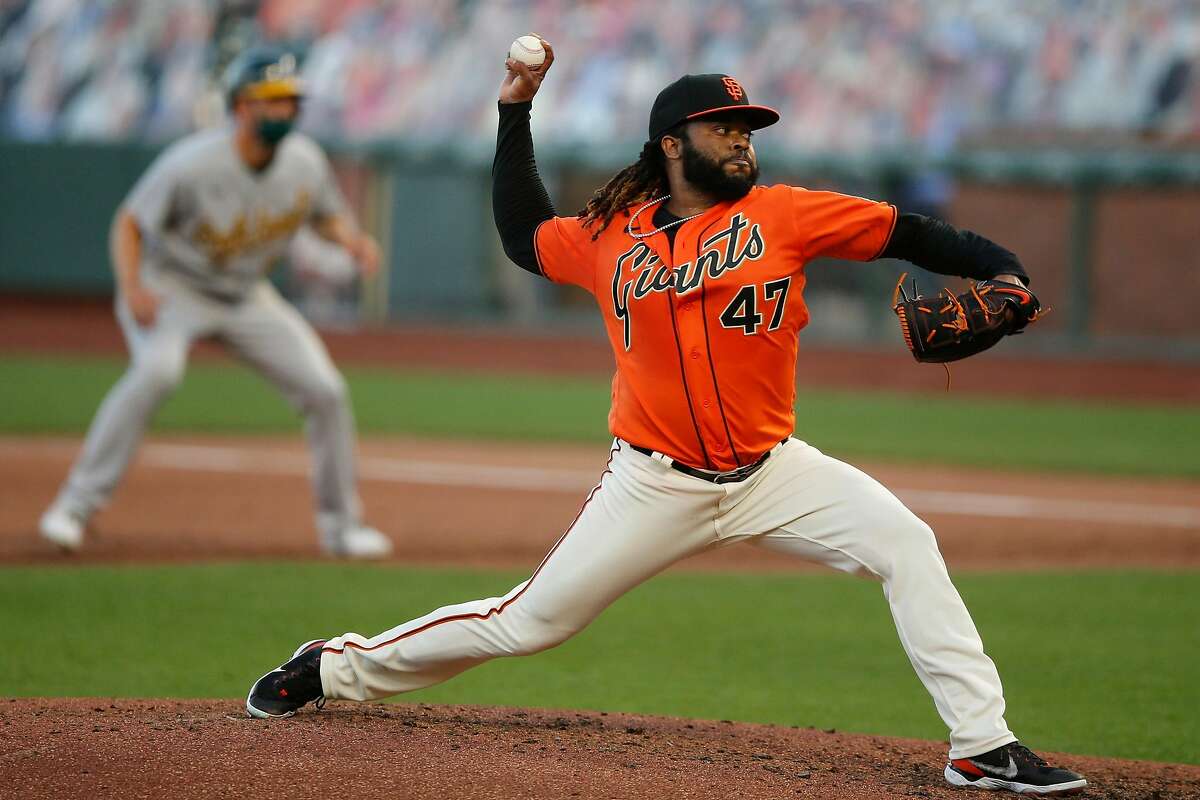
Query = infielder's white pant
x=645 y=516
x=265 y=331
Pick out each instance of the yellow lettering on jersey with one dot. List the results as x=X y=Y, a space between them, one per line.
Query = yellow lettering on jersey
x=243 y=236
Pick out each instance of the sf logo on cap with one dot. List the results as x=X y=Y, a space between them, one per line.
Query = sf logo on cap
x=733 y=87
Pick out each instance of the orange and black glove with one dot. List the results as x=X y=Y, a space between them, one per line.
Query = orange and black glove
x=948 y=327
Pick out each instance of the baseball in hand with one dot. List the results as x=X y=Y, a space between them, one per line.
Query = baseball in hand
x=528 y=50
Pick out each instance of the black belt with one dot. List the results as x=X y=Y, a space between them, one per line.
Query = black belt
x=732 y=476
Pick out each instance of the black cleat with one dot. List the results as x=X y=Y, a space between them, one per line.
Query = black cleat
x=1013 y=767
x=286 y=689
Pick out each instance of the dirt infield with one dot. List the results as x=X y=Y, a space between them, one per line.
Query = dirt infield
x=95 y=748
x=502 y=505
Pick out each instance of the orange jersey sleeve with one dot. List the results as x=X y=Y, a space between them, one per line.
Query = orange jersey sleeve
x=841 y=225
x=565 y=252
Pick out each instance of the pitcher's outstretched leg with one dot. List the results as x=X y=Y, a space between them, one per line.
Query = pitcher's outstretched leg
x=633 y=525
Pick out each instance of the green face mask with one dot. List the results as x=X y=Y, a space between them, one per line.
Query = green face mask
x=272 y=131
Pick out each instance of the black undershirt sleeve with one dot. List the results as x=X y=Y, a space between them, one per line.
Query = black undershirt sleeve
x=519 y=199
x=940 y=247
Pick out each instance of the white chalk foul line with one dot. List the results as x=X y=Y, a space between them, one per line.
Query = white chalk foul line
x=1025 y=507
x=209 y=458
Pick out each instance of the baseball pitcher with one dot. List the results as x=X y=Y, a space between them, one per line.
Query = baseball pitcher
x=191 y=245
x=698 y=274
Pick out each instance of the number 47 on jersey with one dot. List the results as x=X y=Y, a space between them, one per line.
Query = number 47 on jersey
x=742 y=311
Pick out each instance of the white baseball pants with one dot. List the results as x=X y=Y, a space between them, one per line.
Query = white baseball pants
x=266 y=332
x=645 y=516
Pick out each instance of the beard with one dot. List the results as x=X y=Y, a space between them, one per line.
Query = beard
x=709 y=175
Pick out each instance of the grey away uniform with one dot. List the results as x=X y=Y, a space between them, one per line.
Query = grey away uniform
x=211 y=228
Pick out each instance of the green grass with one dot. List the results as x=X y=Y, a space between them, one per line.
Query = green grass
x=59 y=395
x=1096 y=663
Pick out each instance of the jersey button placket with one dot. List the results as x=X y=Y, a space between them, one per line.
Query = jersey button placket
x=700 y=378
x=694 y=344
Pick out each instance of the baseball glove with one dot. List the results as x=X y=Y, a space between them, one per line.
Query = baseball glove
x=948 y=327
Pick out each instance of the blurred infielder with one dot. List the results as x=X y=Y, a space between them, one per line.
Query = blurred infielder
x=698 y=274
x=191 y=245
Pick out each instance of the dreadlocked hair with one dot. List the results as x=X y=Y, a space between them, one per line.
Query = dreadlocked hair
x=641 y=181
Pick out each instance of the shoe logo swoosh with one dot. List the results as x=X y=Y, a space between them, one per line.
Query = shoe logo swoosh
x=1008 y=772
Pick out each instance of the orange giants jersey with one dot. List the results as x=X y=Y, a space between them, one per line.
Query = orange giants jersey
x=705 y=333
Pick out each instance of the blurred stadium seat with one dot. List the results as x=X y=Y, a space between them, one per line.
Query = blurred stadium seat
x=847 y=75
x=1067 y=130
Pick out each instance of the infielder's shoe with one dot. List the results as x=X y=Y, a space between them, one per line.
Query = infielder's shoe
x=286 y=689
x=1015 y=768
x=61 y=527
x=356 y=541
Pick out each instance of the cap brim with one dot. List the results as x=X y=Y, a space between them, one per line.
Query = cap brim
x=758 y=116
x=272 y=90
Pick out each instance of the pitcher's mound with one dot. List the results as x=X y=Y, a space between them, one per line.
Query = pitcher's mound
x=99 y=748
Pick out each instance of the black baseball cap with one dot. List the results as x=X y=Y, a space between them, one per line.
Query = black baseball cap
x=695 y=96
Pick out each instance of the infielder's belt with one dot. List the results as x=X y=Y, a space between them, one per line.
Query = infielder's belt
x=732 y=476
